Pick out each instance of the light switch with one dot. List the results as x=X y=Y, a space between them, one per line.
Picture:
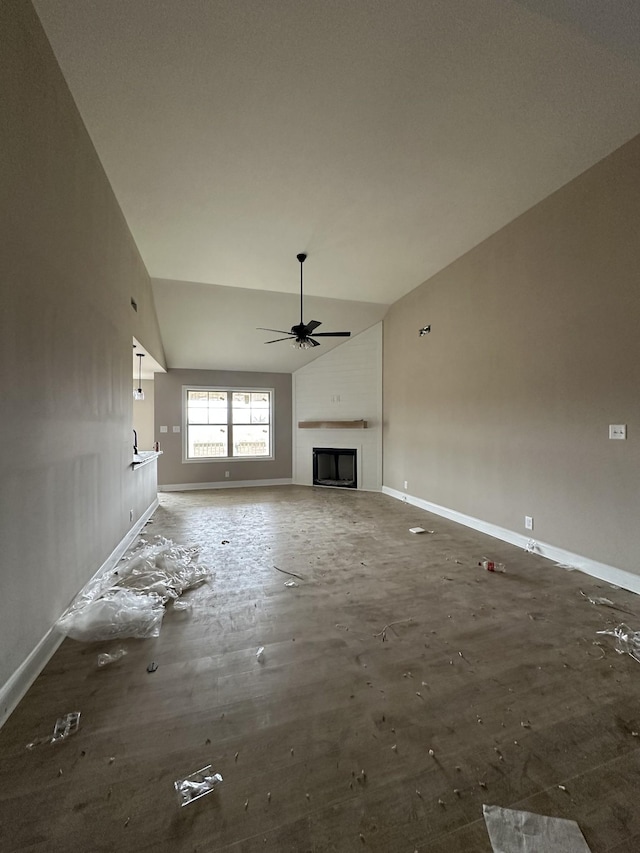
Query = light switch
x=163 y=429
x=176 y=429
x=618 y=431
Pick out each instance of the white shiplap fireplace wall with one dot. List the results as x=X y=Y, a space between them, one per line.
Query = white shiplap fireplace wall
x=343 y=385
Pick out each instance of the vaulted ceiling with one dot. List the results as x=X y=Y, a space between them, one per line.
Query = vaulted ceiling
x=385 y=139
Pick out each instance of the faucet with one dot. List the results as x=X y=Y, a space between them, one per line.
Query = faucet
x=135 y=443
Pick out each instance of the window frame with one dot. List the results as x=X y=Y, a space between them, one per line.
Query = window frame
x=230 y=390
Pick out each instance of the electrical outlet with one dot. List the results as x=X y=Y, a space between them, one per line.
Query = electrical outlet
x=528 y=522
x=130 y=515
x=618 y=431
x=163 y=429
x=227 y=474
x=406 y=485
x=176 y=428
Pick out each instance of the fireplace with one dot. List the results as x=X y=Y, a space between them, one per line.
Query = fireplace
x=335 y=466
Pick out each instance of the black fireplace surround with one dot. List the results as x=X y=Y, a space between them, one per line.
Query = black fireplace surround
x=335 y=466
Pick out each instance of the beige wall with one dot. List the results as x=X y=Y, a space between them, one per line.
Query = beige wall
x=503 y=410
x=173 y=471
x=69 y=270
x=143 y=415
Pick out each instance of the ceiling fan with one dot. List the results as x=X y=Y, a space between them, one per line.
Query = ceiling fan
x=303 y=335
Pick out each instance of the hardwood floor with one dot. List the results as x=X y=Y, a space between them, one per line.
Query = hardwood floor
x=325 y=745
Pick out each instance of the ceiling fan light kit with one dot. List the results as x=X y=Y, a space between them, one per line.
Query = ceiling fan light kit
x=303 y=335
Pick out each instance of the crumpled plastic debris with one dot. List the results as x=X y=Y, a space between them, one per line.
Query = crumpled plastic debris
x=130 y=601
x=492 y=566
x=598 y=599
x=119 y=613
x=197 y=785
x=290 y=583
x=260 y=654
x=105 y=658
x=164 y=568
x=627 y=641
x=183 y=605
x=513 y=831
x=64 y=727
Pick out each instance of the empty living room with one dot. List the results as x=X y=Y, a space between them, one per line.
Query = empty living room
x=319 y=482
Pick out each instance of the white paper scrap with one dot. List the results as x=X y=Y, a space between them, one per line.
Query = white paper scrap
x=416 y=530
x=514 y=831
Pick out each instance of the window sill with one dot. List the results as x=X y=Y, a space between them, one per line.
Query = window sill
x=208 y=459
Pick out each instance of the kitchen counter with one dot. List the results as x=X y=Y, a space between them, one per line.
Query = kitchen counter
x=143 y=457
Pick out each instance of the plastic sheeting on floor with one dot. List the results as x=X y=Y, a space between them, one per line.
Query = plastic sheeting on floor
x=129 y=602
x=514 y=831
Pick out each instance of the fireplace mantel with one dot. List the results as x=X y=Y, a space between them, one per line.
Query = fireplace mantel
x=332 y=424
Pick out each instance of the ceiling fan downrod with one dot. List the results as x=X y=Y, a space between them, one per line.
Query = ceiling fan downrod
x=301 y=258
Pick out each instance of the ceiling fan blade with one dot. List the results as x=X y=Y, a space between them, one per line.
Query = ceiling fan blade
x=290 y=338
x=279 y=331
x=332 y=334
x=313 y=343
x=312 y=325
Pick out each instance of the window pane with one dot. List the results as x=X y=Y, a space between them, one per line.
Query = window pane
x=245 y=402
x=206 y=442
x=217 y=407
x=218 y=399
x=240 y=413
x=197 y=402
x=218 y=416
x=250 y=441
x=196 y=415
x=241 y=416
x=206 y=407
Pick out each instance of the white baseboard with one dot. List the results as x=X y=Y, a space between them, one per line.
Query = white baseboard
x=602 y=571
x=224 y=484
x=13 y=690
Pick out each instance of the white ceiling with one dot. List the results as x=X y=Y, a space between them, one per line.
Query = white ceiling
x=147 y=367
x=383 y=138
x=216 y=328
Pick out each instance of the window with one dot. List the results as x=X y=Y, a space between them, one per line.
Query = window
x=223 y=423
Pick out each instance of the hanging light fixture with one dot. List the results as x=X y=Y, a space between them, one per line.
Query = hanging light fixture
x=138 y=393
